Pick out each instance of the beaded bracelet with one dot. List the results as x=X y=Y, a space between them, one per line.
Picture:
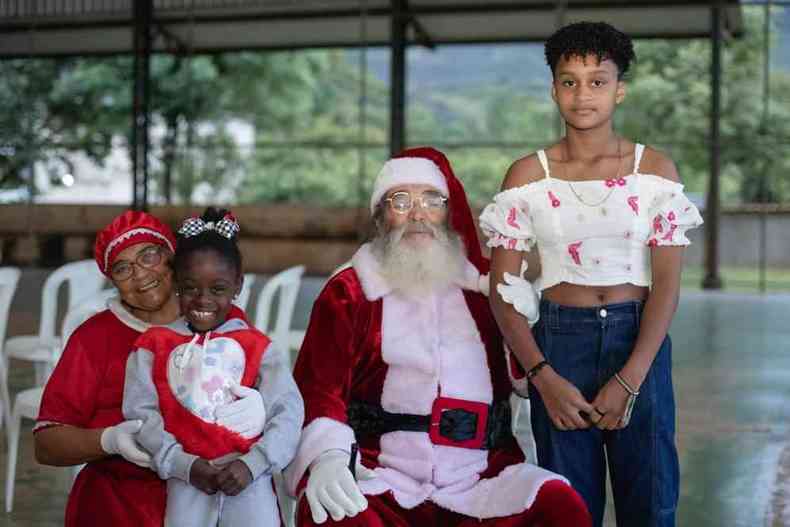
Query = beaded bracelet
x=536 y=369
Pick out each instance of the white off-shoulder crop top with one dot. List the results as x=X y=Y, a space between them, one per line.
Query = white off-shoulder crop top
x=594 y=233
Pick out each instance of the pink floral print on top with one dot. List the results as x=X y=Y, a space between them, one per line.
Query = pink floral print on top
x=573 y=250
x=611 y=182
x=511 y=219
x=657 y=224
x=633 y=202
x=658 y=228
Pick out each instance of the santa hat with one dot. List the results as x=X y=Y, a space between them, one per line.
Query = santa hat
x=426 y=165
x=130 y=228
x=406 y=171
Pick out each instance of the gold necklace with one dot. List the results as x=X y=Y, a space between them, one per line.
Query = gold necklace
x=616 y=177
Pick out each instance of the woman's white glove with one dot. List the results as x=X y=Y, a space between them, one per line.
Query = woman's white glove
x=522 y=295
x=246 y=415
x=120 y=439
x=331 y=487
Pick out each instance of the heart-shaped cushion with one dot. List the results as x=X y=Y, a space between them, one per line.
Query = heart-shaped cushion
x=200 y=376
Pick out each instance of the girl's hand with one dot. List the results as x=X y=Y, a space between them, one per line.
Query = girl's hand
x=563 y=401
x=609 y=406
x=203 y=475
x=234 y=478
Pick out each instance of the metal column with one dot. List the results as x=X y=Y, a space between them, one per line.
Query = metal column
x=143 y=15
x=763 y=196
x=398 y=23
x=712 y=279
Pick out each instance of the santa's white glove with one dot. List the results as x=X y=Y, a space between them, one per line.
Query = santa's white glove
x=246 y=415
x=520 y=293
x=331 y=487
x=120 y=439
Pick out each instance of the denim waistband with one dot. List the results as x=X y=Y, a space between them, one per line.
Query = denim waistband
x=559 y=316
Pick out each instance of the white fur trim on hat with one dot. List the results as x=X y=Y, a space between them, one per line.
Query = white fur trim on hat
x=407 y=171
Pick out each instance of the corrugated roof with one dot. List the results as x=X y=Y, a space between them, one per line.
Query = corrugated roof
x=91 y=27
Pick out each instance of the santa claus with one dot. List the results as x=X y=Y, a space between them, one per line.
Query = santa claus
x=404 y=377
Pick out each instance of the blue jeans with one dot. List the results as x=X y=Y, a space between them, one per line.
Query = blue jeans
x=587 y=346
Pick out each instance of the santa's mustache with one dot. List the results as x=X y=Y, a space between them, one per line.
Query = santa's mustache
x=419 y=227
x=416 y=227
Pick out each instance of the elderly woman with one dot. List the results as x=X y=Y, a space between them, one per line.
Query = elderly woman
x=81 y=419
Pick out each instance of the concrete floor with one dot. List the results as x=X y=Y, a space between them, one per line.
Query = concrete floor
x=732 y=384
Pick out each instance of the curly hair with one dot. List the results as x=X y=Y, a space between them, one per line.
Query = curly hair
x=590 y=38
x=226 y=248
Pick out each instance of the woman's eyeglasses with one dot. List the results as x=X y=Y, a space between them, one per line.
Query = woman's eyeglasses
x=148 y=258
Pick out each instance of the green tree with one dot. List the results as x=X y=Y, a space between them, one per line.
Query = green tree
x=44 y=113
x=326 y=168
x=668 y=104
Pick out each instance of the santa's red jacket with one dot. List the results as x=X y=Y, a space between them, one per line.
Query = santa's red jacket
x=366 y=344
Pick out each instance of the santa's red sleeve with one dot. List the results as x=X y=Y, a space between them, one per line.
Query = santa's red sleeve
x=323 y=373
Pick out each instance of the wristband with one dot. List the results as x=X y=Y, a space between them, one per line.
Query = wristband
x=536 y=369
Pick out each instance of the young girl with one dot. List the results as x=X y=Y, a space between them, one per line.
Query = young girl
x=609 y=218
x=181 y=376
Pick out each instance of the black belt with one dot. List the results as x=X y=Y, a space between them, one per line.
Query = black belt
x=452 y=422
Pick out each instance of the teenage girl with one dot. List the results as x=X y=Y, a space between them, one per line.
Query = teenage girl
x=603 y=221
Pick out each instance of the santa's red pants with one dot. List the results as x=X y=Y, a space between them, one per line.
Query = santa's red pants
x=556 y=505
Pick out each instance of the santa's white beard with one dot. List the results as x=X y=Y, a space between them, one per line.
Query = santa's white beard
x=414 y=268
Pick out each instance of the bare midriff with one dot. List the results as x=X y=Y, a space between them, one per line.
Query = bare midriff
x=592 y=296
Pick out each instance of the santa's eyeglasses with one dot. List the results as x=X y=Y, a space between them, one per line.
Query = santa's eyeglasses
x=401 y=202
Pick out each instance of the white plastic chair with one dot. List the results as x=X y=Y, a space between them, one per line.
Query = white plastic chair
x=244 y=295
x=287 y=283
x=9 y=278
x=83 y=279
x=28 y=402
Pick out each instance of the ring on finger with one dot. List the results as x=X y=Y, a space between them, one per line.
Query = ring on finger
x=600 y=413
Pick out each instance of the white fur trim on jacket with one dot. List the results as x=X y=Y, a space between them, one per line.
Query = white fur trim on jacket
x=367 y=268
x=431 y=345
x=407 y=171
x=320 y=435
